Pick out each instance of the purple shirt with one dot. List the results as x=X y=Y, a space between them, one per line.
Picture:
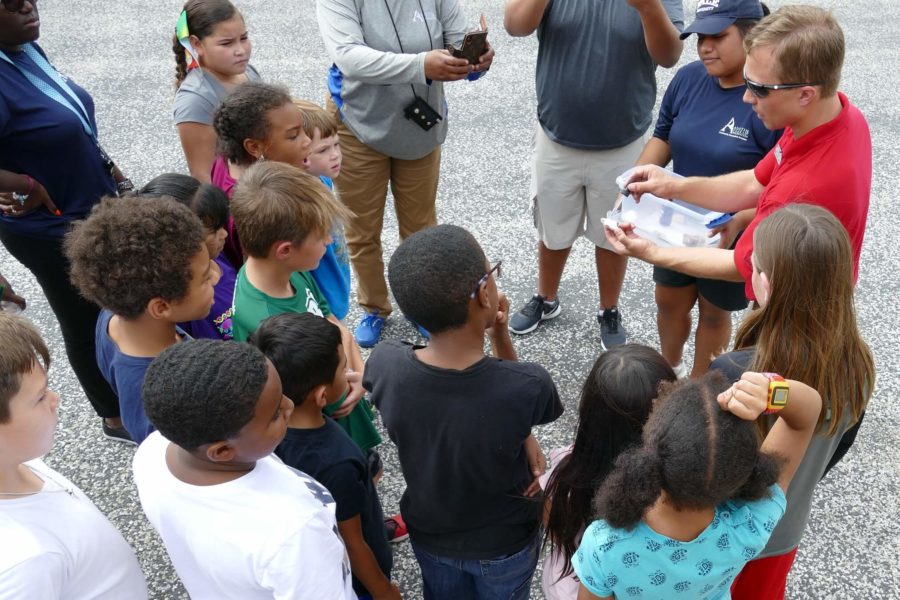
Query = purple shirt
x=217 y=325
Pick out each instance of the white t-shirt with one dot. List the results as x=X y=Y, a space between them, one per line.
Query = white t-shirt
x=56 y=544
x=268 y=534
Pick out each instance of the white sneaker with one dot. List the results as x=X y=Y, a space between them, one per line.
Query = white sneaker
x=680 y=370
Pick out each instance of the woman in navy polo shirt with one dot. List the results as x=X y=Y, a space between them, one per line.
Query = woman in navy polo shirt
x=52 y=171
x=706 y=129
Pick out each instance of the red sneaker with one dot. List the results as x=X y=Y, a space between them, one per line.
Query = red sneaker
x=396 y=529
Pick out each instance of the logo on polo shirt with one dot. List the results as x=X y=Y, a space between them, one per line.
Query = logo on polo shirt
x=705 y=5
x=430 y=16
x=733 y=131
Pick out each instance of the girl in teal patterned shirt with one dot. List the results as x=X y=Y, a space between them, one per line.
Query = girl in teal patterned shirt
x=682 y=514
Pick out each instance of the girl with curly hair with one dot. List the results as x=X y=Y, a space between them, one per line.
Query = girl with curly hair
x=256 y=121
x=682 y=513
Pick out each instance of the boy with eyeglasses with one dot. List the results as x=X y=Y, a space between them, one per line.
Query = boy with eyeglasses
x=462 y=421
x=794 y=60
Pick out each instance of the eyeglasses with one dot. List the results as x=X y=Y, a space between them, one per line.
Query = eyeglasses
x=15 y=6
x=761 y=90
x=481 y=282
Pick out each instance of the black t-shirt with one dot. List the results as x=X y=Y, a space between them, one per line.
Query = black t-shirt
x=733 y=364
x=459 y=436
x=329 y=456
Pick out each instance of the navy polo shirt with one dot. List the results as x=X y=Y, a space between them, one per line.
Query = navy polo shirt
x=710 y=130
x=41 y=138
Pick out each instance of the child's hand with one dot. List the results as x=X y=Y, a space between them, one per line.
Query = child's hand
x=500 y=323
x=537 y=462
x=747 y=398
x=7 y=294
x=354 y=395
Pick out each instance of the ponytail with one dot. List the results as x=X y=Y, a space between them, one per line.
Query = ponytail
x=764 y=474
x=630 y=489
x=181 y=69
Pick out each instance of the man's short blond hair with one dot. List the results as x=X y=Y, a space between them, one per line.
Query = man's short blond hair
x=315 y=117
x=275 y=202
x=807 y=44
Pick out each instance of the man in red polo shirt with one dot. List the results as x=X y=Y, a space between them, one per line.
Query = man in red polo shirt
x=794 y=60
x=793 y=67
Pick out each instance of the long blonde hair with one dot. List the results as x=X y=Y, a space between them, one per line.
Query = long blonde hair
x=807 y=331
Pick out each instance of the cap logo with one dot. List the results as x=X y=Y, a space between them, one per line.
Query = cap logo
x=706 y=5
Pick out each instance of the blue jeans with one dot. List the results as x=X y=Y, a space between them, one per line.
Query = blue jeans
x=501 y=578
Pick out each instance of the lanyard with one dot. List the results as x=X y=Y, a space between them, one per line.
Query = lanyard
x=51 y=92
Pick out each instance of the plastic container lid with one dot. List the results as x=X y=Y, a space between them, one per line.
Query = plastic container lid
x=667 y=222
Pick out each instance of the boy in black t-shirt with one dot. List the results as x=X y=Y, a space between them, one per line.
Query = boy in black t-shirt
x=462 y=421
x=307 y=353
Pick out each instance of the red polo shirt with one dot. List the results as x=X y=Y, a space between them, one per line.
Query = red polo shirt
x=830 y=166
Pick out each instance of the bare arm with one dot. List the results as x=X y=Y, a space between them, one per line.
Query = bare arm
x=363 y=563
x=796 y=424
x=726 y=193
x=656 y=152
x=660 y=35
x=522 y=17
x=709 y=263
x=355 y=364
x=198 y=142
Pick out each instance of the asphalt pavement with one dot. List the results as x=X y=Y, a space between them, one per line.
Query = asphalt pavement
x=121 y=53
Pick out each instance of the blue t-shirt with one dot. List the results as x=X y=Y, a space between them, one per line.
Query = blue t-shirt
x=710 y=130
x=333 y=273
x=45 y=140
x=125 y=375
x=642 y=563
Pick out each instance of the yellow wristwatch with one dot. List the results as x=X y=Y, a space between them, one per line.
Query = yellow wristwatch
x=778 y=393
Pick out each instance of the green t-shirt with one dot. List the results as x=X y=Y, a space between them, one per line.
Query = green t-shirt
x=252 y=306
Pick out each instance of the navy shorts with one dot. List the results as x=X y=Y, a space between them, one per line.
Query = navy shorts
x=727 y=295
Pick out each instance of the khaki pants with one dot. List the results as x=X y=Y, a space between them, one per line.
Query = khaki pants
x=362 y=187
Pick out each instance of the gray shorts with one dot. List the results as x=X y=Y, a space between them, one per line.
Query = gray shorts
x=572 y=189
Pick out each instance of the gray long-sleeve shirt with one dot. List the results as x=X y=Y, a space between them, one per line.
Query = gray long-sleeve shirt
x=375 y=88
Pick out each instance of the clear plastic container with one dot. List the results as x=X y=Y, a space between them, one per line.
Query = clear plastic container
x=668 y=222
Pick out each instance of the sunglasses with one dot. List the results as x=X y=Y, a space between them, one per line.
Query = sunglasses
x=15 y=6
x=761 y=90
x=495 y=269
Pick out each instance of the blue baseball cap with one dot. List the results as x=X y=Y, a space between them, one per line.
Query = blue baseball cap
x=715 y=16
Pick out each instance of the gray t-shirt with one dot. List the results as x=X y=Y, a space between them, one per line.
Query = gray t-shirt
x=596 y=82
x=200 y=94
x=788 y=533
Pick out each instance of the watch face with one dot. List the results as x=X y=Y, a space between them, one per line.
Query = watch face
x=779 y=396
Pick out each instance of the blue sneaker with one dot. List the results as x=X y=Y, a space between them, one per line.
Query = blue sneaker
x=368 y=332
